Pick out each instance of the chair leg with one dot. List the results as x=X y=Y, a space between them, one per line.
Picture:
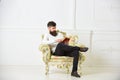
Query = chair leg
x=47 y=68
x=80 y=69
x=68 y=70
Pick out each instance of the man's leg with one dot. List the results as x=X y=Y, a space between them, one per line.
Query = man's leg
x=65 y=50
x=62 y=49
x=75 y=55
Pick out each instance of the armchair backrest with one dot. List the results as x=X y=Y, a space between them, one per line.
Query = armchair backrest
x=42 y=36
x=63 y=33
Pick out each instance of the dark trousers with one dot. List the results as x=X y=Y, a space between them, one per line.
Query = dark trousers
x=65 y=50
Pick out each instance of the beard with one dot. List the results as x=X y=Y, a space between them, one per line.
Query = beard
x=53 y=33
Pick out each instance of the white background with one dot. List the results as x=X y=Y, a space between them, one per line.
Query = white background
x=97 y=22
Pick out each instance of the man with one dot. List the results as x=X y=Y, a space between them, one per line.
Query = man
x=54 y=39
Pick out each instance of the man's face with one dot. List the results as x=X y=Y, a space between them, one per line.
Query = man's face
x=52 y=29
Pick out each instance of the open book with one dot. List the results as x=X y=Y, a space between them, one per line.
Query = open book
x=66 y=40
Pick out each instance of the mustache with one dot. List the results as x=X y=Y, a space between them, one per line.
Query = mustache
x=53 y=33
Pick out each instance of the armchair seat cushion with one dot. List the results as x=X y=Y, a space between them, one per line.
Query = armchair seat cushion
x=61 y=58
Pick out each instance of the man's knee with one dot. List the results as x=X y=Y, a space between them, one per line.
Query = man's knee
x=76 y=48
x=60 y=44
x=76 y=52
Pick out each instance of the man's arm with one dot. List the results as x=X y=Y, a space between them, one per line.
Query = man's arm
x=46 y=40
x=60 y=39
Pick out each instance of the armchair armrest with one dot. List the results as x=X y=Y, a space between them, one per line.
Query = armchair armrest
x=45 y=49
x=82 y=58
x=74 y=41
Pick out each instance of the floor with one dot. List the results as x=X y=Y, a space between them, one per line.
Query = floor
x=37 y=73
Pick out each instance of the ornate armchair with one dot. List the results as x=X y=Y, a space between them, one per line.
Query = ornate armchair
x=62 y=62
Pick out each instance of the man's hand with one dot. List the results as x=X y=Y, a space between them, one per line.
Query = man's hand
x=59 y=40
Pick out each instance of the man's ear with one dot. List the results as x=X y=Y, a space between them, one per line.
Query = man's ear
x=49 y=28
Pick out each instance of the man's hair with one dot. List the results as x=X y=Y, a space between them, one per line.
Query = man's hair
x=51 y=23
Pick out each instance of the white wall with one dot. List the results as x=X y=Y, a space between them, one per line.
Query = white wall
x=33 y=14
x=98 y=14
x=85 y=14
x=106 y=48
x=107 y=14
x=20 y=47
x=23 y=21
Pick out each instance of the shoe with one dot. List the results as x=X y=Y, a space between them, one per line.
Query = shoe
x=75 y=74
x=84 y=49
x=76 y=48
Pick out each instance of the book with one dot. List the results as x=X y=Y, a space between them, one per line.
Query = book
x=66 y=40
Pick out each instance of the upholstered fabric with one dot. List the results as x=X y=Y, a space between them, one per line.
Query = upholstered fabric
x=61 y=59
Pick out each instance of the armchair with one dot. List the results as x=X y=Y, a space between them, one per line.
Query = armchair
x=62 y=62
